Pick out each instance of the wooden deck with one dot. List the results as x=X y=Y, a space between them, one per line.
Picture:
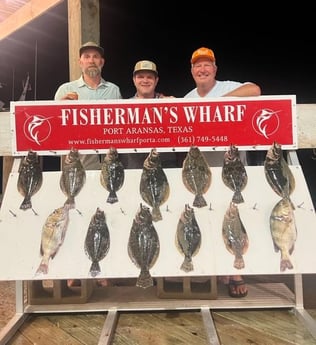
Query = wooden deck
x=244 y=324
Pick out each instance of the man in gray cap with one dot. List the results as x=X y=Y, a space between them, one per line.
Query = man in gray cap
x=90 y=86
x=145 y=79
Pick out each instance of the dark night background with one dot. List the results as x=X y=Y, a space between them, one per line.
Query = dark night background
x=275 y=49
x=266 y=47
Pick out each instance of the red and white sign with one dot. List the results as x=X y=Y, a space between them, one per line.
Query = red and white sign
x=50 y=127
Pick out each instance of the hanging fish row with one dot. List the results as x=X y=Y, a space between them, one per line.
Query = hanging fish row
x=143 y=243
x=154 y=186
x=154 y=189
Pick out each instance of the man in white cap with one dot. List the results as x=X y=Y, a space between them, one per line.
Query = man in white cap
x=203 y=70
x=90 y=86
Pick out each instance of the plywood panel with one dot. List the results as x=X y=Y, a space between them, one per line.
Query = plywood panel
x=21 y=230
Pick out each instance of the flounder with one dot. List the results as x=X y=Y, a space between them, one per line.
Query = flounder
x=234 y=174
x=143 y=245
x=196 y=175
x=188 y=237
x=73 y=177
x=278 y=173
x=97 y=241
x=112 y=174
x=154 y=186
x=30 y=178
x=234 y=235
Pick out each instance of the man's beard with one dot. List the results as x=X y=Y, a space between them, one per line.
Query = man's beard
x=93 y=72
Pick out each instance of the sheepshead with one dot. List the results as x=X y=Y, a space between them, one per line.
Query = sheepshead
x=154 y=186
x=283 y=231
x=234 y=174
x=73 y=177
x=30 y=178
x=112 y=174
x=196 y=175
x=53 y=235
x=234 y=235
x=97 y=241
x=143 y=245
x=277 y=172
x=188 y=237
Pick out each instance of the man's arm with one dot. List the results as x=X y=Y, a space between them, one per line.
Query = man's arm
x=245 y=90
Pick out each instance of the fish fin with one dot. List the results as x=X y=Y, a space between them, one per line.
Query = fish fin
x=144 y=280
x=237 y=197
x=291 y=249
x=95 y=269
x=156 y=214
x=112 y=198
x=199 y=201
x=292 y=205
x=187 y=265
x=26 y=203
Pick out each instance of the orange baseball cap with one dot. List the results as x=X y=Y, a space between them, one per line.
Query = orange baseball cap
x=203 y=52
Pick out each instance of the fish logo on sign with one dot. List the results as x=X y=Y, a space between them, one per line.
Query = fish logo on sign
x=266 y=122
x=37 y=128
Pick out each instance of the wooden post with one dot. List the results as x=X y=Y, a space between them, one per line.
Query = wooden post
x=83 y=26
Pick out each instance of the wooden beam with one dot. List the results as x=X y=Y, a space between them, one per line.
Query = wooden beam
x=24 y=15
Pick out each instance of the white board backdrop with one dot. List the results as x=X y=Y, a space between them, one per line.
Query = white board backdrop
x=20 y=231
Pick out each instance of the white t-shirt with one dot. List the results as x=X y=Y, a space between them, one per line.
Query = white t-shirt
x=220 y=88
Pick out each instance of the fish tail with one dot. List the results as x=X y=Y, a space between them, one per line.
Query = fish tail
x=144 y=280
x=95 y=269
x=70 y=202
x=43 y=267
x=156 y=214
x=112 y=198
x=199 y=201
x=187 y=265
x=26 y=203
x=239 y=262
x=285 y=263
x=237 y=197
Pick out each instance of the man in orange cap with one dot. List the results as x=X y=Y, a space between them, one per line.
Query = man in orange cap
x=203 y=70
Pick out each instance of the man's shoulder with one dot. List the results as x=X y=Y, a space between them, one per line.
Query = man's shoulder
x=110 y=84
x=70 y=83
x=192 y=93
